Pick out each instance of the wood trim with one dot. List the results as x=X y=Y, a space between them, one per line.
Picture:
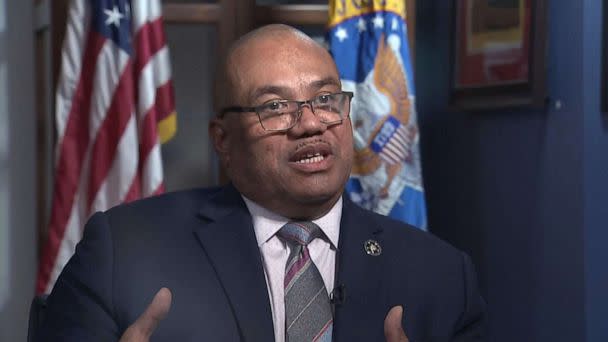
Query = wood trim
x=192 y=13
x=48 y=42
x=291 y=14
x=539 y=58
x=226 y=28
x=245 y=16
x=410 y=14
x=59 y=14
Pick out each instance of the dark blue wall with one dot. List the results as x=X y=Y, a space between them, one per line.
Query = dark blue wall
x=595 y=129
x=524 y=192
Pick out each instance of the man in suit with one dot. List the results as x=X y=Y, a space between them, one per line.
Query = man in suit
x=227 y=266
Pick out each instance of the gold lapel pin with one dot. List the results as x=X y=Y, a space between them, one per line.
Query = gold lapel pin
x=372 y=247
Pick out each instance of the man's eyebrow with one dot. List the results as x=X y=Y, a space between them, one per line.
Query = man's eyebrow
x=285 y=91
x=269 y=89
x=324 y=82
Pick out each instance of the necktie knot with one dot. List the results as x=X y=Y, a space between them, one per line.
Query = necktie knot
x=300 y=232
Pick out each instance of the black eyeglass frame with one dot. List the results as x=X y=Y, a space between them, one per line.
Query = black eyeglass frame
x=256 y=110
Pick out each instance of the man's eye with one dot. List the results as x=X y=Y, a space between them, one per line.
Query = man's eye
x=276 y=105
x=324 y=98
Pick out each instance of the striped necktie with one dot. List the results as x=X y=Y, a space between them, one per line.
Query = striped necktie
x=307 y=309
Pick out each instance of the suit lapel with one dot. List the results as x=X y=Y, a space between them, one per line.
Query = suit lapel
x=229 y=241
x=361 y=316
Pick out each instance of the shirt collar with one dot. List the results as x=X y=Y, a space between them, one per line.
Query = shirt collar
x=267 y=223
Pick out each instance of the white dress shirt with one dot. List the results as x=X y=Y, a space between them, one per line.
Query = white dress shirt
x=275 y=253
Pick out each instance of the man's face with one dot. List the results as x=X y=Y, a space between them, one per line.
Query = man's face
x=299 y=173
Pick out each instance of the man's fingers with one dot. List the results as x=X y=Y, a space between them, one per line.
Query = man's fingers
x=144 y=326
x=155 y=312
x=393 y=331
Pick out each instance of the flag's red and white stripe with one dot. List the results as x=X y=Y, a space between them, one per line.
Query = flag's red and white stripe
x=112 y=111
x=397 y=148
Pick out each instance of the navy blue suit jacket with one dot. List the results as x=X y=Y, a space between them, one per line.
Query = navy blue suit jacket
x=201 y=245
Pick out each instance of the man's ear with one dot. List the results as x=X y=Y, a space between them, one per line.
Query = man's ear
x=220 y=138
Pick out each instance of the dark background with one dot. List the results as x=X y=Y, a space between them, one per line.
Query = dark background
x=524 y=191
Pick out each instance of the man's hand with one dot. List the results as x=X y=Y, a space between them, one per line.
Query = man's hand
x=144 y=326
x=393 y=331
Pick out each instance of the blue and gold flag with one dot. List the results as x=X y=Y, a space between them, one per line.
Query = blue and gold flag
x=368 y=40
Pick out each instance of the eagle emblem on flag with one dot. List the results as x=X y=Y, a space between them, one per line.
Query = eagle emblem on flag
x=370 y=46
x=383 y=131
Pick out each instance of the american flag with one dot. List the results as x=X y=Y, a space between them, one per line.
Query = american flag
x=114 y=106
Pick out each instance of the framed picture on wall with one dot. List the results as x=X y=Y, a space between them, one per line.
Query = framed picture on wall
x=498 y=55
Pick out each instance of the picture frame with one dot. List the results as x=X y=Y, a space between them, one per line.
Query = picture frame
x=498 y=58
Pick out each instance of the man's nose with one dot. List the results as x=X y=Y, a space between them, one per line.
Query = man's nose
x=309 y=123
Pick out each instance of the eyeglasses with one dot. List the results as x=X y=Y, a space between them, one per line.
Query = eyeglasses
x=282 y=115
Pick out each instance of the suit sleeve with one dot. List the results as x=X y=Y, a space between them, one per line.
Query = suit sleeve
x=80 y=307
x=472 y=324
